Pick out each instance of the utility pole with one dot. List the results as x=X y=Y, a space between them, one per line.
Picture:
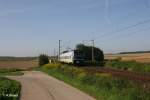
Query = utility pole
x=93 y=51
x=59 y=51
x=54 y=53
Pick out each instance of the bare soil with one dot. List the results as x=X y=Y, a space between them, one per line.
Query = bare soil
x=18 y=64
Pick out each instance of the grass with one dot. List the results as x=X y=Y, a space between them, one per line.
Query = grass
x=10 y=72
x=129 y=65
x=102 y=86
x=9 y=89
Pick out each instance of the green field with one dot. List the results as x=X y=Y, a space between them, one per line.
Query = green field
x=102 y=86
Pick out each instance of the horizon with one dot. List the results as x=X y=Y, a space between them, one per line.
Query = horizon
x=32 y=27
x=122 y=53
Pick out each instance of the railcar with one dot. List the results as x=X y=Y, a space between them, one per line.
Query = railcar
x=72 y=57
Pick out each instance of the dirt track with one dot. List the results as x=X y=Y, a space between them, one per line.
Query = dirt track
x=39 y=86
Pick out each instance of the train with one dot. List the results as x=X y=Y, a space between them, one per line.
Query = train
x=72 y=57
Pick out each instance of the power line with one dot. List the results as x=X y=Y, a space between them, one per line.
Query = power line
x=64 y=44
x=93 y=58
x=59 y=51
x=129 y=34
x=123 y=29
x=65 y=47
x=86 y=42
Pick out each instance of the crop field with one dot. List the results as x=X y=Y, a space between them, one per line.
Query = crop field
x=18 y=64
x=139 y=57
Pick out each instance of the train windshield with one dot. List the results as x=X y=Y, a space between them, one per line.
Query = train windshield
x=78 y=55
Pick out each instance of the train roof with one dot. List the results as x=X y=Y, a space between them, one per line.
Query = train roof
x=68 y=51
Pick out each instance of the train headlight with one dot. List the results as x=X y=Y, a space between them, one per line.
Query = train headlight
x=77 y=62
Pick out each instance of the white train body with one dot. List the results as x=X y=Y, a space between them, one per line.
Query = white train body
x=71 y=57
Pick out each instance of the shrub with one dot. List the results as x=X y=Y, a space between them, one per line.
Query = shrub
x=52 y=65
x=43 y=59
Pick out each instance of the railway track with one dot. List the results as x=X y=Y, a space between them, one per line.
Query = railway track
x=141 y=78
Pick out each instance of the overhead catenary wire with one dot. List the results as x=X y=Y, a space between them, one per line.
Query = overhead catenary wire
x=65 y=44
x=114 y=32
x=122 y=29
x=128 y=34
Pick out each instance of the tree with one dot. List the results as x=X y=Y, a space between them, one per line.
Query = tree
x=87 y=52
x=43 y=59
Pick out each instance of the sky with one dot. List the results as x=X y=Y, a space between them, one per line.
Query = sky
x=32 y=27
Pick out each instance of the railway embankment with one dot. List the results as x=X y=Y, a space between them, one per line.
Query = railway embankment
x=103 y=85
